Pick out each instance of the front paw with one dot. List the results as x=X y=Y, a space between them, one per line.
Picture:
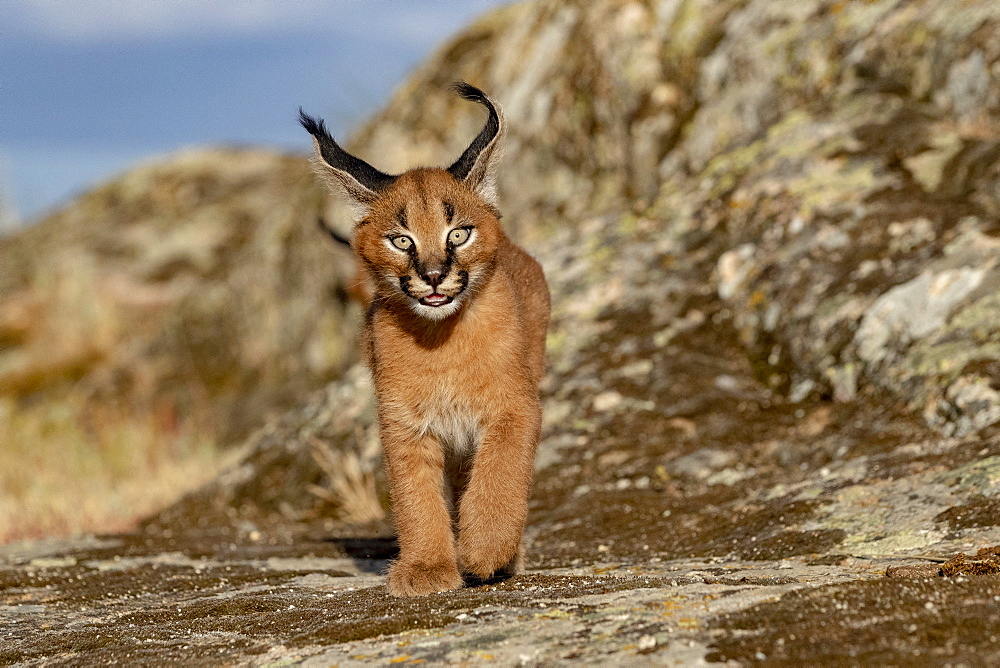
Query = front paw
x=486 y=559
x=410 y=579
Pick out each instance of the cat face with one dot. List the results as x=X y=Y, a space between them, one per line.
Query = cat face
x=428 y=242
x=429 y=237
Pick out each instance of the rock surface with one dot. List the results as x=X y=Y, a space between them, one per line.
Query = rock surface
x=770 y=230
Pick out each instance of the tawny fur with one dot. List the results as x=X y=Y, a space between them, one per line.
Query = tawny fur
x=456 y=385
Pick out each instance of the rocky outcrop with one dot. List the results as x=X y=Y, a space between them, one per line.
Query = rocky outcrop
x=862 y=207
x=770 y=231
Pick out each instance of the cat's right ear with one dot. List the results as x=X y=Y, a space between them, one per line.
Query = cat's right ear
x=360 y=183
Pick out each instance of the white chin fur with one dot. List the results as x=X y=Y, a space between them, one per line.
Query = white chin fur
x=435 y=312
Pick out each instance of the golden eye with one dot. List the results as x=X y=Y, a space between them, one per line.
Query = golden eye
x=458 y=236
x=402 y=242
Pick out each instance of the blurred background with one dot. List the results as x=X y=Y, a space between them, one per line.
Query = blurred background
x=92 y=87
x=155 y=299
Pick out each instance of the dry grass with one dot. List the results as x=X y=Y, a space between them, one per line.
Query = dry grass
x=351 y=479
x=65 y=470
x=74 y=457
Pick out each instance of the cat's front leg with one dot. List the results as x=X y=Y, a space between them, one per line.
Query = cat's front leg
x=494 y=506
x=427 y=561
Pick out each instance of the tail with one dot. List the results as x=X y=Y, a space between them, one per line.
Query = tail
x=334 y=234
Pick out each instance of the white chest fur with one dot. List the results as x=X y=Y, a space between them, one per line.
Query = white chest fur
x=453 y=424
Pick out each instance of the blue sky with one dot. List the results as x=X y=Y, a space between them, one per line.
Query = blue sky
x=89 y=87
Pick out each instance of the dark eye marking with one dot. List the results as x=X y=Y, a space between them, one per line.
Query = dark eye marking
x=401 y=217
x=449 y=211
x=404 y=285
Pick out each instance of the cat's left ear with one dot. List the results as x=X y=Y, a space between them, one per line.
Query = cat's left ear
x=478 y=165
x=360 y=183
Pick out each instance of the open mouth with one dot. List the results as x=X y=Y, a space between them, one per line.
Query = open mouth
x=434 y=299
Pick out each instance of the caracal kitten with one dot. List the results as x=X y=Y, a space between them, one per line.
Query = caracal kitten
x=456 y=342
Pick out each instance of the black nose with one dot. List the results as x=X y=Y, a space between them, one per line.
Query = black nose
x=434 y=277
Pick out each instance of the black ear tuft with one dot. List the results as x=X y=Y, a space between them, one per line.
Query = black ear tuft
x=315 y=127
x=340 y=160
x=463 y=166
x=469 y=92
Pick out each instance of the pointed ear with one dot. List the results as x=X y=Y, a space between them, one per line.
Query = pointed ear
x=478 y=165
x=360 y=183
